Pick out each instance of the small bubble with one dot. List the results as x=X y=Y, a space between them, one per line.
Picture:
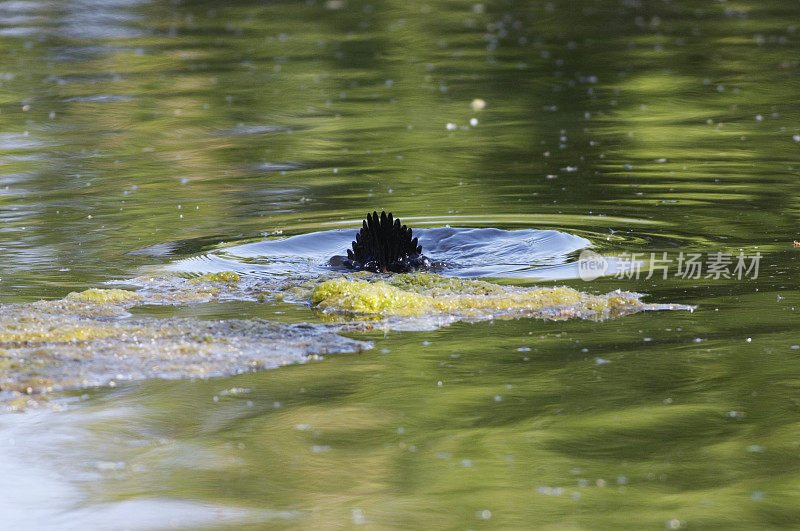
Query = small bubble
x=478 y=104
x=358 y=517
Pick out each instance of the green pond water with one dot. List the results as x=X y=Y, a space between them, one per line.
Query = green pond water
x=138 y=137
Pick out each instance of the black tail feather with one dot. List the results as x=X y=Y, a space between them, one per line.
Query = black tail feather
x=384 y=244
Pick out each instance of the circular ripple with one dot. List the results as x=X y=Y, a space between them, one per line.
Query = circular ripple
x=466 y=252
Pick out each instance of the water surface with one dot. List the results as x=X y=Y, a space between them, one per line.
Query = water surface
x=460 y=252
x=206 y=132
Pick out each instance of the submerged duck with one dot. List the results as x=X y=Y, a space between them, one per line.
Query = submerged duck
x=383 y=245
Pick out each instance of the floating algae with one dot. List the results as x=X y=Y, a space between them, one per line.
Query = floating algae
x=428 y=294
x=229 y=277
x=50 y=346
x=401 y=301
x=171 y=289
x=90 y=339
x=103 y=295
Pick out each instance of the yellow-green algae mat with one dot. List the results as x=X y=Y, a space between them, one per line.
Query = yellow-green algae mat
x=89 y=339
x=423 y=300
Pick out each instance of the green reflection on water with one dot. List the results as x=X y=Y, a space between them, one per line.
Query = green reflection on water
x=169 y=121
